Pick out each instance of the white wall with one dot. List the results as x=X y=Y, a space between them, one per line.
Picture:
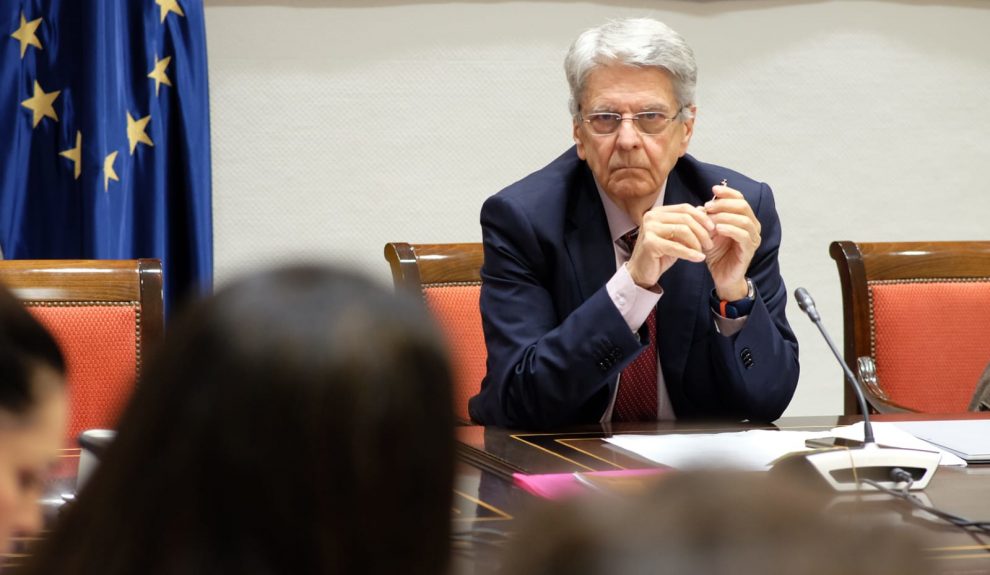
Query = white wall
x=341 y=125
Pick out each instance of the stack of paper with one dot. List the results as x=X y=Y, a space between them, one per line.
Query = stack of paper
x=756 y=449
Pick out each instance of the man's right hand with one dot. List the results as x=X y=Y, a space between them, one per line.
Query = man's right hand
x=666 y=234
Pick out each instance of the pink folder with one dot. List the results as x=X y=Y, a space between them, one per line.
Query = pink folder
x=561 y=485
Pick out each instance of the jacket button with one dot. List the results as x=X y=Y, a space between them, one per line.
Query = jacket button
x=746 y=355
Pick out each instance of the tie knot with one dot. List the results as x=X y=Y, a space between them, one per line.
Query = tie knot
x=629 y=238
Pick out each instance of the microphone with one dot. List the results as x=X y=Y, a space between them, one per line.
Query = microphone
x=845 y=469
x=807 y=305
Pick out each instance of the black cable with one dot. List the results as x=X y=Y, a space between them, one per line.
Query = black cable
x=901 y=476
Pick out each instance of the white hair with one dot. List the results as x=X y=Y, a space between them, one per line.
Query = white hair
x=641 y=42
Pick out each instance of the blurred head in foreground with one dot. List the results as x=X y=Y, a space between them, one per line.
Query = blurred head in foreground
x=33 y=411
x=708 y=523
x=298 y=421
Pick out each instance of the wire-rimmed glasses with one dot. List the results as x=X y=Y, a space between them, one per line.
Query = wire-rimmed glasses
x=647 y=123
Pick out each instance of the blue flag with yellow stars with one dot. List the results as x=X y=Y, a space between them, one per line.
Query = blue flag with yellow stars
x=105 y=135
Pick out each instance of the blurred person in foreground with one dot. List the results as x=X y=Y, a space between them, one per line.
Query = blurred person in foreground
x=710 y=523
x=33 y=413
x=298 y=421
x=627 y=256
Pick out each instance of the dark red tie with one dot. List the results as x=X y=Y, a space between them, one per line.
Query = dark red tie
x=637 y=397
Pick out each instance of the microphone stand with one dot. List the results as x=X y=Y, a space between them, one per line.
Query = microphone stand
x=844 y=469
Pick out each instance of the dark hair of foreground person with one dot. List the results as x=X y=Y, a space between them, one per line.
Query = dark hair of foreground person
x=298 y=421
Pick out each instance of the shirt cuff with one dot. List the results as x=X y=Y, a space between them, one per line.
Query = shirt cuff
x=729 y=326
x=633 y=302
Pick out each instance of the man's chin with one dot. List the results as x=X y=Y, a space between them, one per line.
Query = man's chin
x=630 y=190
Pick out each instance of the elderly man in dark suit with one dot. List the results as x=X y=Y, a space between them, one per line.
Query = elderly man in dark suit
x=626 y=280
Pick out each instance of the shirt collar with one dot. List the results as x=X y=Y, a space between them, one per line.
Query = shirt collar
x=619 y=222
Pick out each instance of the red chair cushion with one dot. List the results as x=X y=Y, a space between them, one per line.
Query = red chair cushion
x=457 y=310
x=931 y=341
x=100 y=343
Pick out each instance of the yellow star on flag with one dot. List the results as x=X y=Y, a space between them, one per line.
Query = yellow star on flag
x=108 y=171
x=170 y=6
x=158 y=74
x=136 y=131
x=75 y=154
x=41 y=104
x=27 y=34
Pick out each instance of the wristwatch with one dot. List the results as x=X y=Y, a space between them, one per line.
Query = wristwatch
x=737 y=308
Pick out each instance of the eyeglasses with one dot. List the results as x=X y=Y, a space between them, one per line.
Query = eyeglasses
x=647 y=123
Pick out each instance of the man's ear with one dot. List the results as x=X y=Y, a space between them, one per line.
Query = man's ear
x=688 y=130
x=577 y=139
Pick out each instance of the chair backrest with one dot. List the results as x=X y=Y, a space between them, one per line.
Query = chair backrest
x=104 y=314
x=449 y=278
x=918 y=309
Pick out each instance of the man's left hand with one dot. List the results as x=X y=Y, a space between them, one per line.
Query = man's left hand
x=735 y=240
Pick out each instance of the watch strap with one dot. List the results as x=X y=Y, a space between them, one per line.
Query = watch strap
x=735 y=308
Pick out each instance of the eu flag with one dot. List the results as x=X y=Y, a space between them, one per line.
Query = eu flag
x=105 y=135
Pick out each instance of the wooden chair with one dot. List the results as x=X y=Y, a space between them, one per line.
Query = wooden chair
x=448 y=276
x=104 y=314
x=917 y=323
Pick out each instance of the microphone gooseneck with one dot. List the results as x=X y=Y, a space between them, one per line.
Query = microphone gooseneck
x=807 y=305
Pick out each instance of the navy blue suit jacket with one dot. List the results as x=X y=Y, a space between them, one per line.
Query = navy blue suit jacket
x=556 y=342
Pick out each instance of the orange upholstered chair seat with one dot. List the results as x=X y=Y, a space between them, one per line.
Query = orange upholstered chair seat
x=931 y=341
x=101 y=345
x=456 y=309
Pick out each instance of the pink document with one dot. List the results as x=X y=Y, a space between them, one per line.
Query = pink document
x=561 y=485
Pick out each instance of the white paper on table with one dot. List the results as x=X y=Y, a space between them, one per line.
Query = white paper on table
x=754 y=449
x=889 y=435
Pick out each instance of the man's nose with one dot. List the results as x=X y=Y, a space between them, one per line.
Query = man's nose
x=628 y=136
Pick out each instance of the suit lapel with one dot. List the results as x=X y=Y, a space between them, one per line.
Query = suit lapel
x=587 y=239
x=589 y=246
x=683 y=286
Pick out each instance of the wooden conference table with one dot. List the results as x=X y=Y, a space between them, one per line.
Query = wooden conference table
x=487 y=501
